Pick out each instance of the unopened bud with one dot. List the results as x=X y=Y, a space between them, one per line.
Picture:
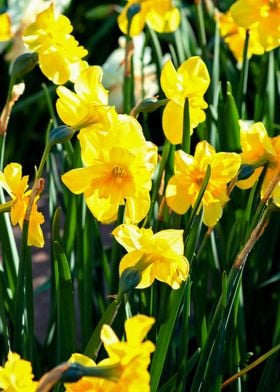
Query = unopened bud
x=23 y=64
x=245 y=172
x=61 y=134
x=129 y=279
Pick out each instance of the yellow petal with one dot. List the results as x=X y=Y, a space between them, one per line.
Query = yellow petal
x=164 y=22
x=78 y=180
x=172 y=122
x=137 y=328
x=174 y=239
x=212 y=213
x=60 y=73
x=89 y=88
x=130 y=260
x=128 y=236
x=176 y=197
x=170 y=83
x=194 y=76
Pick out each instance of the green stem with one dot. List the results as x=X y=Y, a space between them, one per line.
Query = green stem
x=201 y=28
x=264 y=357
x=242 y=87
x=186 y=142
x=164 y=158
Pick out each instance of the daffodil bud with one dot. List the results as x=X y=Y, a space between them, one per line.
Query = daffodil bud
x=61 y=134
x=23 y=64
x=129 y=279
x=133 y=10
x=245 y=171
x=76 y=371
x=148 y=105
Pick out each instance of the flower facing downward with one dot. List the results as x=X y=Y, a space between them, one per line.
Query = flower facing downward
x=191 y=81
x=262 y=15
x=16 y=186
x=128 y=360
x=60 y=56
x=87 y=106
x=183 y=188
x=157 y=256
x=161 y=15
x=16 y=375
x=118 y=168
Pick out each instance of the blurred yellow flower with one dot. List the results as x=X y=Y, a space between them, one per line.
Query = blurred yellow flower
x=118 y=168
x=16 y=186
x=157 y=256
x=60 y=56
x=262 y=15
x=190 y=81
x=87 y=107
x=258 y=150
x=130 y=359
x=161 y=15
x=5 y=27
x=16 y=375
x=183 y=188
x=235 y=35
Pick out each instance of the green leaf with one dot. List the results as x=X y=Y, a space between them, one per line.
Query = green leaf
x=65 y=305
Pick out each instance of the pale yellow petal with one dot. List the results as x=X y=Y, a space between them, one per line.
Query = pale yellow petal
x=128 y=236
x=78 y=180
x=212 y=213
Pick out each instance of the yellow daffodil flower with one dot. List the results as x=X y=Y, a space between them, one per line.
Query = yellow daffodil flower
x=258 y=149
x=235 y=35
x=16 y=375
x=157 y=256
x=5 y=27
x=183 y=188
x=161 y=15
x=118 y=169
x=60 y=56
x=264 y=15
x=87 y=107
x=191 y=81
x=129 y=358
x=16 y=186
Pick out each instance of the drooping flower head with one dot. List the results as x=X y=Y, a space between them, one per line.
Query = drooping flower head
x=16 y=375
x=258 y=150
x=191 y=81
x=86 y=108
x=157 y=256
x=60 y=56
x=118 y=168
x=262 y=15
x=129 y=358
x=183 y=188
x=17 y=187
x=235 y=36
x=161 y=15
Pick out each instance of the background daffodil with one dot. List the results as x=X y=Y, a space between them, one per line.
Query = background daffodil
x=16 y=375
x=183 y=188
x=16 y=186
x=264 y=15
x=50 y=37
x=258 y=150
x=157 y=256
x=235 y=36
x=118 y=168
x=191 y=81
x=161 y=15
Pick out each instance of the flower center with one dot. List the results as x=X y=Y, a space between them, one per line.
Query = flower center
x=274 y=4
x=119 y=173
